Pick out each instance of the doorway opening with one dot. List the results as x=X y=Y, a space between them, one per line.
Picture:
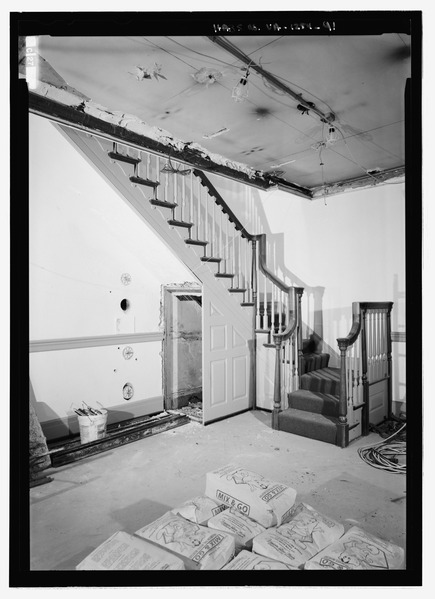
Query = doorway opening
x=182 y=349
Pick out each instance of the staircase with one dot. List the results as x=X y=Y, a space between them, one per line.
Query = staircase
x=310 y=398
x=313 y=408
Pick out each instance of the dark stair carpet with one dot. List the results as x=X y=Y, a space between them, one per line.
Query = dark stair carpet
x=314 y=361
x=317 y=403
x=323 y=380
x=308 y=424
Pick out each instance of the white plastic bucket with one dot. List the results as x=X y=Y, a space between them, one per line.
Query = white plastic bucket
x=92 y=427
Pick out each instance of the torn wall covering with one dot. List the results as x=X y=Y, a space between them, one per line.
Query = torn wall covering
x=69 y=97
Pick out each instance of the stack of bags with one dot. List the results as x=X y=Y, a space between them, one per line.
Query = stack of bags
x=244 y=522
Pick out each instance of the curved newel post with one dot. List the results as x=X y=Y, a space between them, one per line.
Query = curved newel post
x=344 y=343
x=277 y=386
x=365 y=379
x=299 y=293
x=343 y=427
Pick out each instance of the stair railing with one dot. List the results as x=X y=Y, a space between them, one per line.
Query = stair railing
x=240 y=257
x=365 y=358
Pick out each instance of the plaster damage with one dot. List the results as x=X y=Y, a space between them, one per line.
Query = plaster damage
x=136 y=125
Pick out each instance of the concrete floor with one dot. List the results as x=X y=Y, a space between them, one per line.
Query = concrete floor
x=129 y=487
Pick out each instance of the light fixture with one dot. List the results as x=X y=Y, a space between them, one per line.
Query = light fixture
x=240 y=91
x=332 y=136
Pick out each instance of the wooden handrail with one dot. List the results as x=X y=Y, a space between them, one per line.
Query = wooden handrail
x=358 y=327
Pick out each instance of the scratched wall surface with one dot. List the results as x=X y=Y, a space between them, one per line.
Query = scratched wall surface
x=183 y=364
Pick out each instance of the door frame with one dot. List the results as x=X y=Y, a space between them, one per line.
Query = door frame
x=168 y=295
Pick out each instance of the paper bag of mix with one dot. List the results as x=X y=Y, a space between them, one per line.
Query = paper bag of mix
x=241 y=527
x=263 y=500
x=251 y=561
x=123 y=551
x=358 y=550
x=205 y=548
x=296 y=541
x=199 y=509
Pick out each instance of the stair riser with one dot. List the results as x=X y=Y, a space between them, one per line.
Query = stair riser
x=315 y=405
x=320 y=385
x=304 y=429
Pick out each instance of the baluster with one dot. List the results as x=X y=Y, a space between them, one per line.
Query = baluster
x=213 y=231
x=206 y=213
x=183 y=194
x=233 y=257
x=191 y=219
x=265 y=315
x=174 y=197
x=254 y=282
x=198 y=191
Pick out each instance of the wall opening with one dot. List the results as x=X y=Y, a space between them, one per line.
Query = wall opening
x=182 y=347
x=125 y=304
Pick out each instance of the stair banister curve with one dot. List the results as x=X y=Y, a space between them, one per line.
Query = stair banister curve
x=344 y=343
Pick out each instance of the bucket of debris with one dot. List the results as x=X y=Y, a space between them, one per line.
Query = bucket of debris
x=92 y=423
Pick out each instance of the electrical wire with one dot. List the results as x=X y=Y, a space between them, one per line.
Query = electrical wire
x=385 y=454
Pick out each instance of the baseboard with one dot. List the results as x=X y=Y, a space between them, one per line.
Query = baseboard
x=58 y=428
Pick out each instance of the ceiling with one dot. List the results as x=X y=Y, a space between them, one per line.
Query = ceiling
x=184 y=85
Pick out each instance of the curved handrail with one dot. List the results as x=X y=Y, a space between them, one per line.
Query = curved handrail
x=352 y=336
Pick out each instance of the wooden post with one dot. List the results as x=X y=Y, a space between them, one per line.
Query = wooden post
x=299 y=292
x=389 y=361
x=254 y=322
x=365 y=381
x=277 y=387
x=342 y=427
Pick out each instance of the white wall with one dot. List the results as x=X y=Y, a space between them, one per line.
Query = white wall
x=82 y=238
x=349 y=248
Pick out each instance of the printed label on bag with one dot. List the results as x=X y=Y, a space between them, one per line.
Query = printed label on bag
x=273 y=492
x=214 y=541
x=233 y=502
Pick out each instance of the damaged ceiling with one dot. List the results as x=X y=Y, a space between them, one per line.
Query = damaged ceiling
x=320 y=113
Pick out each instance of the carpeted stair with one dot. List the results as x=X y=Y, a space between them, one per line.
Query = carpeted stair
x=313 y=409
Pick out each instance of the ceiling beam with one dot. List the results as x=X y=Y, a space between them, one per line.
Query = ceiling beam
x=237 y=53
x=365 y=181
x=76 y=117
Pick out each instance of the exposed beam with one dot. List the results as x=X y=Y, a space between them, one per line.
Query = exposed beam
x=365 y=181
x=76 y=117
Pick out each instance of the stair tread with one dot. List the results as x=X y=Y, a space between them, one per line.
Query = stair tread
x=123 y=158
x=318 y=394
x=163 y=204
x=329 y=373
x=195 y=242
x=237 y=290
x=210 y=259
x=179 y=223
x=146 y=182
x=224 y=275
x=247 y=304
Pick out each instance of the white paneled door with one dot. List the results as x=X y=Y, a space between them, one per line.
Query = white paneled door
x=227 y=375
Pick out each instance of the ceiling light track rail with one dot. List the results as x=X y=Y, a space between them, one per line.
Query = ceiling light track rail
x=232 y=49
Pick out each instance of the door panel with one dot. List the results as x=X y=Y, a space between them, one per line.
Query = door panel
x=226 y=358
x=378 y=402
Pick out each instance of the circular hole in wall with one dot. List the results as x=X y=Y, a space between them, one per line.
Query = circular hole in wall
x=125 y=304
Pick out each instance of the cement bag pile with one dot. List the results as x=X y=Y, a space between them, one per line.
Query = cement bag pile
x=123 y=551
x=296 y=541
x=199 y=509
x=243 y=529
x=358 y=550
x=205 y=548
x=246 y=560
x=265 y=501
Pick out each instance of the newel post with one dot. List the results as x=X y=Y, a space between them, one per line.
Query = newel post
x=365 y=416
x=342 y=427
x=299 y=292
x=277 y=387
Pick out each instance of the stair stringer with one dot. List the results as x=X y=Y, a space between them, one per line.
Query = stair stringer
x=240 y=320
